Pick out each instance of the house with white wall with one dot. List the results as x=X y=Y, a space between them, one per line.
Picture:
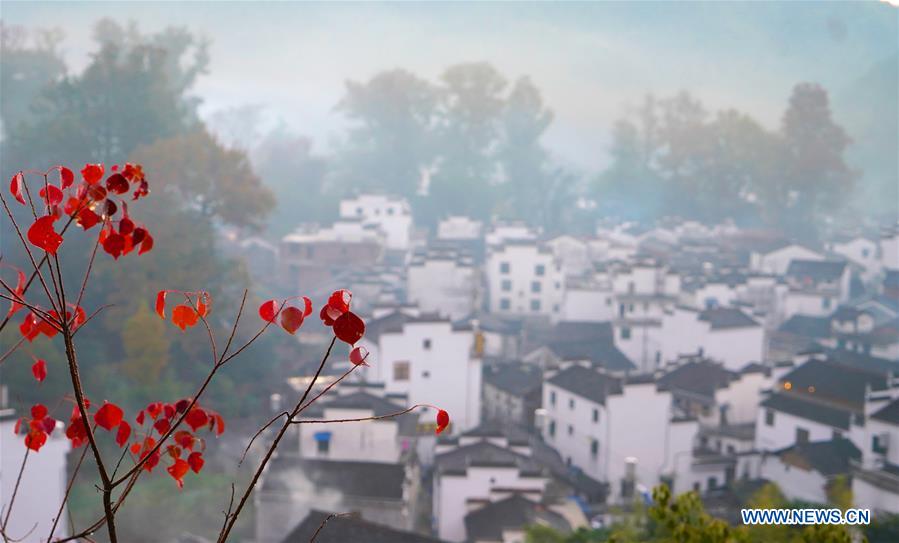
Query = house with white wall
x=620 y=431
x=889 y=247
x=775 y=258
x=861 y=251
x=475 y=472
x=391 y=214
x=816 y=287
x=444 y=282
x=875 y=481
x=430 y=359
x=805 y=471
x=524 y=278
x=573 y=253
x=459 y=227
x=43 y=484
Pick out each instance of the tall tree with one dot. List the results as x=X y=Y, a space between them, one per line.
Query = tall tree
x=391 y=139
x=815 y=145
x=471 y=109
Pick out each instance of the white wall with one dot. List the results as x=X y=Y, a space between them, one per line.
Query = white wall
x=442 y=285
x=392 y=215
x=587 y=305
x=42 y=488
x=373 y=441
x=778 y=261
x=452 y=491
x=795 y=483
x=446 y=375
x=783 y=432
x=513 y=292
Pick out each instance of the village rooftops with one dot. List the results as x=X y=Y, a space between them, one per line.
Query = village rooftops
x=828 y=458
x=720 y=318
x=888 y=413
x=587 y=383
x=828 y=381
x=816 y=270
x=512 y=513
x=393 y=323
x=362 y=480
x=807 y=326
x=486 y=454
x=515 y=379
x=343 y=528
x=701 y=378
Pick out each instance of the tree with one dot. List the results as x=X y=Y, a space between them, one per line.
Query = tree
x=146 y=347
x=391 y=141
x=471 y=110
x=204 y=175
x=815 y=169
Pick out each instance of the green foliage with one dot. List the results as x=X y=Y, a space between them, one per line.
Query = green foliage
x=145 y=344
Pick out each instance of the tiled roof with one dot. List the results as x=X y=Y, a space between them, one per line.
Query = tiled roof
x=727 y=317
x=344 y=529
x=367 y=480
x=586 y=383
x=889 y=413
x=512 y=513
x=515 y=379
x=817 y=270
x=797 y=406
x=701 y=377
x=826 y=457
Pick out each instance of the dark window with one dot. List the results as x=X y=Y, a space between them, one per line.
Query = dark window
x=425 y=374
x=595 y=415
x=504 y=303
x=401 y=371
x=571 y=403
x=535 y=286
x=540 y=269
x=570 y=430
x=594 y=447
x=323 y=446
x=390 y=211
x=506 y=285
x=503 y=267
x=625 y=333
x=552 y=428
x=535 y=305
x=426 y=344
x=769 y=417
x=713 y=483
x=801 y=435
x=825 y=303
x=552 y=397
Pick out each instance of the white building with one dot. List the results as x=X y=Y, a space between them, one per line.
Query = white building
x=459 y=228
x=43 y=482
x=476 y=471
x=525 y=279
x=572 y=253
x=776 y=258
x=889 y=248
x=861 y=251
x=429 y=359
x=875 y=482
x=391 y=214
x=805 y=471
x=444 y=282
x=616 y=431
x=816 y=287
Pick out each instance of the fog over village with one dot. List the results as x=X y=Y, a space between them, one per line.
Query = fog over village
x=622 y=245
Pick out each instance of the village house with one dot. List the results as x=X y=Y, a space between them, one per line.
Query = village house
x=875 y=481
x=524 y=279
x=815 y=287
x=310 y=255
x=443 y=281
x=392 y=215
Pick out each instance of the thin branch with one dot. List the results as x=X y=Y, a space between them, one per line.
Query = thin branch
x=325 y=521
x=8 y=353
x=258 y=432
x=15 y=492
x=362 y=419
x=65 y=497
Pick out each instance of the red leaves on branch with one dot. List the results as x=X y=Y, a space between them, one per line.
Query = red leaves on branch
x=443 y=420
x=349 y=328
x=109 y=416
x=196 y=418
x=358 y=356
x=39 y=370
x=39 y=427
x=66 y=177
x=291 y=317
x=340 y=300
x=185 y=315
x=17 y=187
x=92 y=173
x=123 y=433
x=51 y=195
x=195 y=461
x=178 y=470
x=41 y=234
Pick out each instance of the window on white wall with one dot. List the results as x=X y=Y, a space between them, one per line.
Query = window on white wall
x=426 y=344
x=506 y=285
x=539 y=270
x=769 y=417
x=504 y=267
x=401 y=371
x=535 y=305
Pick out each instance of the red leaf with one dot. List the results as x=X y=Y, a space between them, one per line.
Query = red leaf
x=268 y=310
x=35 y=440
x=184 y=438
x=109 y=416
x=174 y=451
x=114 y=244
x=19 y=292
x=124 y=432
x=138 y=235
x=340 y=300
x=152 y=461
x=291 y=319
x=154 y=409
x=358 y=356
x=41 y=234
x=126 y=226
x=349 y=328
x=55 y=195
x=196 y=418
x=48 y=424
x=328 y=314
x=204 y=302
x=92 y=173
x=66 y=177
x=117 y=183
x=28 y=328
x=184 y=316
x=38 y=411
x=135 y=448
x=219 y=424
x=160 y=304
x=140 y=417
x=17 y=426
x=96 y=193
x=87 y=218
x=110 y=208
x=39 y=370
x=16 y=186
x=443 y=420
x=146 y=244
x=195 y=460
x=162 y=425
x=178 y=470
x=307 y=308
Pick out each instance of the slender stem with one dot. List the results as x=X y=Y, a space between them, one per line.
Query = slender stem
x=223 y=536
x=15 y=492
x=65 y=497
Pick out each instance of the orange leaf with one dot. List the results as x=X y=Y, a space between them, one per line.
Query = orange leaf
x=184 y=316
x=160 y=304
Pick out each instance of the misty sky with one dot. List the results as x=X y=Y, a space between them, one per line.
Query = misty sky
x=591 y=60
